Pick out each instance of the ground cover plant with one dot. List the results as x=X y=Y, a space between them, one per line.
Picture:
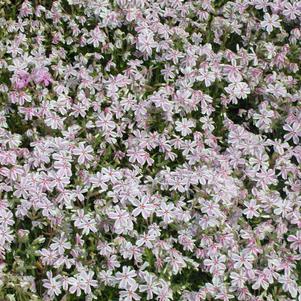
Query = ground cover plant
x=150 y=150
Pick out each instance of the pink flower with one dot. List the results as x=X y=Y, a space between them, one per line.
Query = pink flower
x=233 y=73
x=295 y=241
x=143 y=207
x=166 y=211
x=52 y=284
x=130 y=293
x=84 y=153
x=215 y=263
x=76 y=285
x=150 y=286
x=97 y=37
x=145 y=42
x=241 y=90
x=126 y=277
x=87 y=281
x=22 y=79
x=289 y=285
x=243 y=260
x=184 y=126
x=61 y=244
x=294 y=132
x=291 y=10
x=238 y=279
x=251 y=209
x=123 y=221
x=42 y=76
x=270 y=21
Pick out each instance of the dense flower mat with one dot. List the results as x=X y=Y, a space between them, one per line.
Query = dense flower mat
x=150 y=150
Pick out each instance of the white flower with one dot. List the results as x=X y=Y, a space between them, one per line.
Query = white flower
x=166 y=211
x=126 y=277
x=123 y=222
x=184 y=126
x=52 y=284
x=146 y=42
x=241 y=90
x=270 y=21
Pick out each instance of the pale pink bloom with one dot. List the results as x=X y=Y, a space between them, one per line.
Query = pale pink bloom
x=130 y=293
x=166 y=211
x=61 y=244
x=261 y=282
x=207 y=76
x=270 y=21
x=112 y=262
x=243 y=260
x=88 y=224
x=126 y=277
x=233 y=73
x=150 y=286
x=164 y=292
x=76 y=285
x=143 y=207
x=184 y=126
x=283 y=207
x=42 y=76
x=145 y=42
x=53 y=284
x=251 y=209
x=123 y=221
x=291 y=10
x=54 y=121
x=241 y=90
x=22 y=79
x=87 y=281
x=105 y=121
x=288 y=285
x=96 y=37
x=294 y=132
x=295 y=241
x=146 y=239
x=84 y=153
x=216 y=263
x=238 y=279
x=48 y=256
x=139 y=155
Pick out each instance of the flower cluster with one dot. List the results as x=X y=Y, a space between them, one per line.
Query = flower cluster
x=150 y=150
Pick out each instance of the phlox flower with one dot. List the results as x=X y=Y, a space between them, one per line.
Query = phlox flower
x=84 y=153
x=123 y=221
x=42 y=76
x=130 y=293
x=270 y=22
x=251 y=209
x=145 y=42
x=143 y=207
x=126 y=278
x=52 y=284
x=166 y=211
x=184 y=126
x=149 y=150
x=295 y=241
x=294 y=132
